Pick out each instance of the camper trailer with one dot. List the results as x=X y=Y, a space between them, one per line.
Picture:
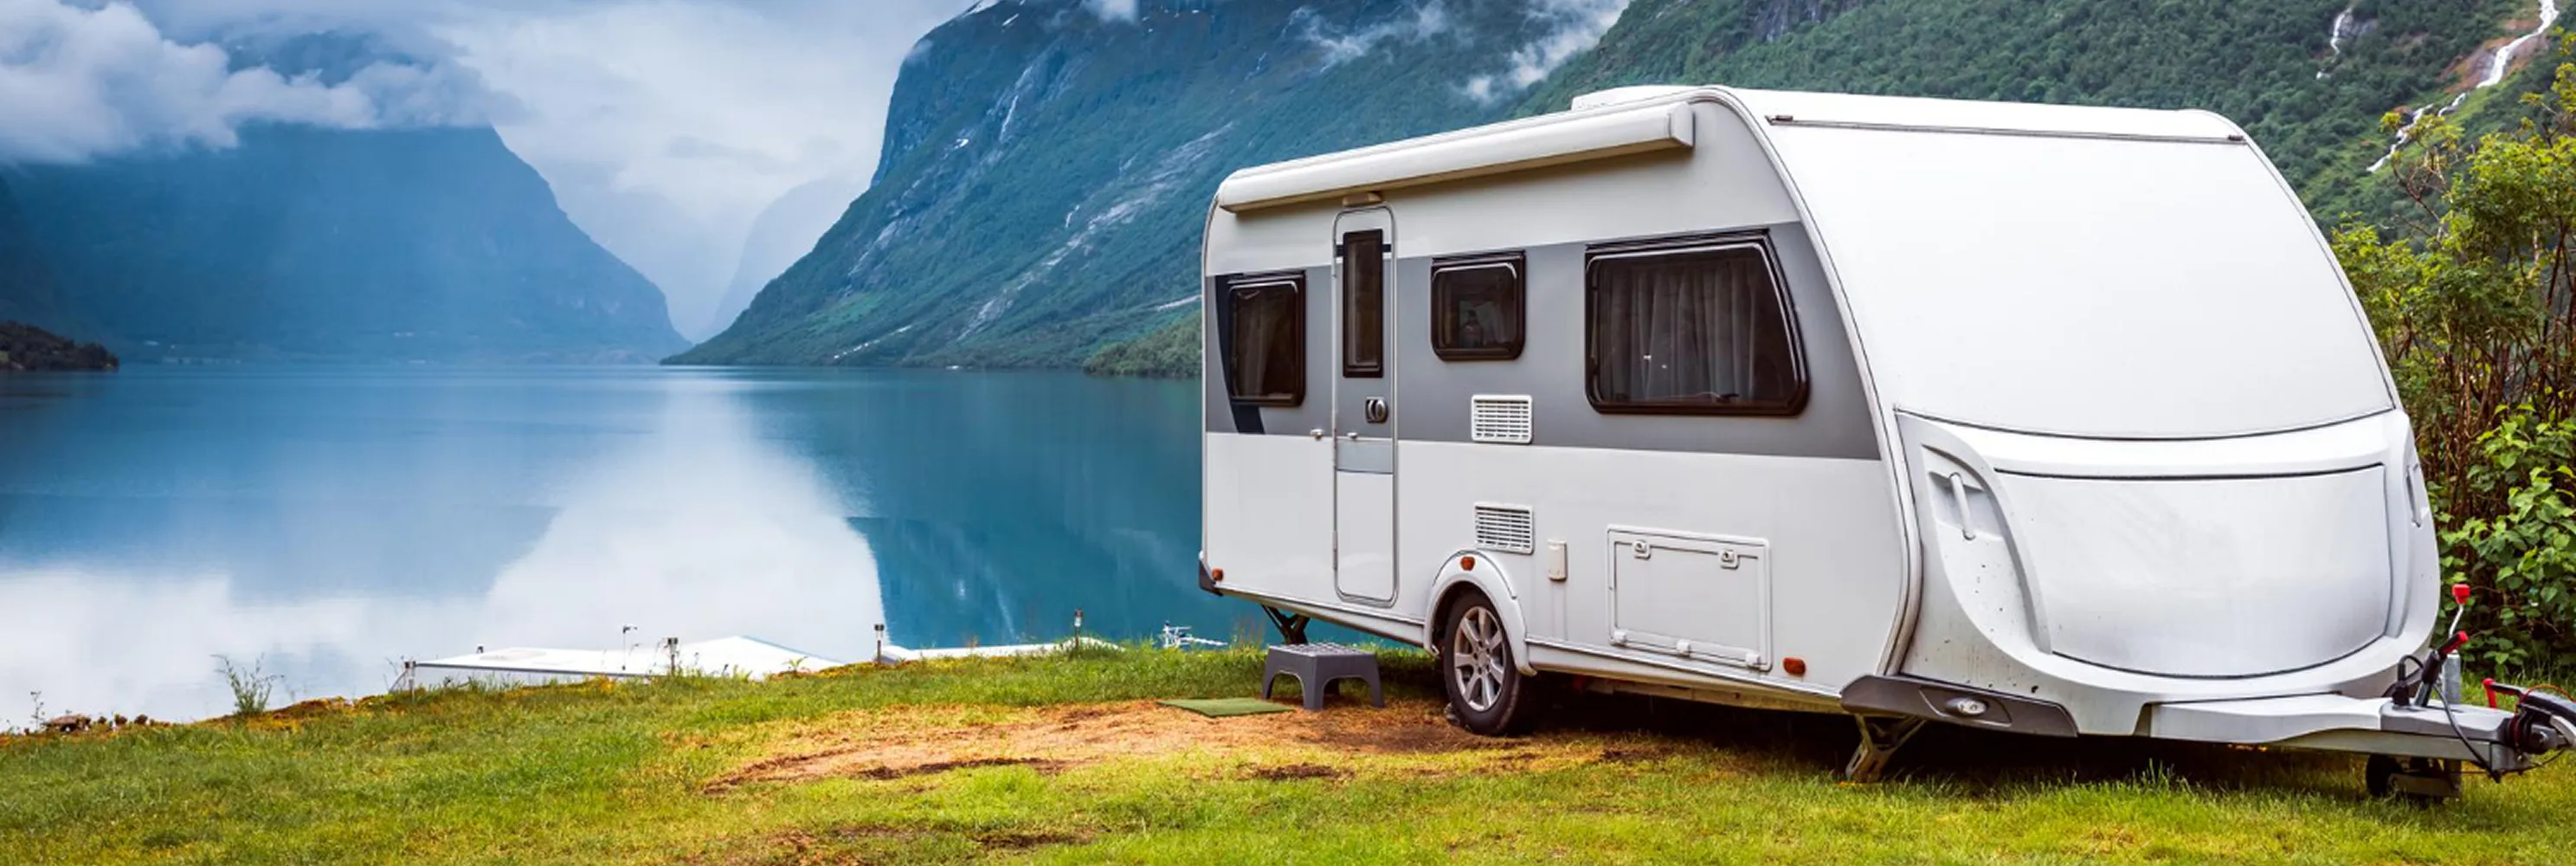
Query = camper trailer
x=2043 y=419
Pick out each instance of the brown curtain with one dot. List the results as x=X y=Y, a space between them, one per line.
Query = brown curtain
x=1265 y=342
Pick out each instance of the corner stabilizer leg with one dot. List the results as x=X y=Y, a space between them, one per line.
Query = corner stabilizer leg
x=1880 y=737
x=1292 y=626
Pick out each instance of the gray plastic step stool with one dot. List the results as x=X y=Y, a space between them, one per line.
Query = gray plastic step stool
x=1317 y=665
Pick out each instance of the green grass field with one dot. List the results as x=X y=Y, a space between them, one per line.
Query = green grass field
x=1052 y=760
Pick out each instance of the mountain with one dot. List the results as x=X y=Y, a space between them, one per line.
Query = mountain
x=784 y=232
x=27 y=291
x=26 y=347
x=1046 y=171
x=310 y=243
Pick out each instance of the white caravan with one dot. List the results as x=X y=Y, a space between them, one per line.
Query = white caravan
x=2036 y=418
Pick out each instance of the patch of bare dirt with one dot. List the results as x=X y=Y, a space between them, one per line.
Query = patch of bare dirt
x=1014 y=841
x=1286 y=772
x=1409 y=737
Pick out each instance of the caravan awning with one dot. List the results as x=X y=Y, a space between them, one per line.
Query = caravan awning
x=1553 y=140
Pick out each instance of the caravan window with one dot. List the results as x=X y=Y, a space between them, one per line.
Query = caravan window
x=1476 y=307
x=1265 y=348
x=1699 y=330
x=1364 y=304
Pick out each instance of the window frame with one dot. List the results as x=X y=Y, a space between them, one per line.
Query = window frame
x=1347 y=302
x=1596 y=256
x=1517 y=262
x=1295 y=284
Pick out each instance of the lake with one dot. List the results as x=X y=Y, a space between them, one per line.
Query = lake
x=328 y=522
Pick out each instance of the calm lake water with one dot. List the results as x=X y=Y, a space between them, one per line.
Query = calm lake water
x=332 y=521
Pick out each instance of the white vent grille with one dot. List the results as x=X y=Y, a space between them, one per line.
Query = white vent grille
x=1506 y=528
x=1503 y=419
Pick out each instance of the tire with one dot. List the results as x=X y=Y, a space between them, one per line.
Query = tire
x=1487 y=694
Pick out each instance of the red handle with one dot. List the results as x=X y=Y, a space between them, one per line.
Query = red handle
x=2460 y=593
x=2457 y=640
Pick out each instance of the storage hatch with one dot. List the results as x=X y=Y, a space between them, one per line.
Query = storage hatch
x=1700 y=597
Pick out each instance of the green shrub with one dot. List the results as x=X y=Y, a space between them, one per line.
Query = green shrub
x=2525 y=554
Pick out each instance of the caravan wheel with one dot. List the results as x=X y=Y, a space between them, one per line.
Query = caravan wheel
x=1485 y=686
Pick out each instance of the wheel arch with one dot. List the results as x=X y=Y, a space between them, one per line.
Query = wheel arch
x=1487 y=579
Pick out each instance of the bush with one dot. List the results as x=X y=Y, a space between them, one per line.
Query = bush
x=2475 y=307
x=2525 y=554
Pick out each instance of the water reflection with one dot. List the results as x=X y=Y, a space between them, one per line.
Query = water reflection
x=334 y=521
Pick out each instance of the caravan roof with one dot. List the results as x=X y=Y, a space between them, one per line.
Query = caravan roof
x=2108 y=272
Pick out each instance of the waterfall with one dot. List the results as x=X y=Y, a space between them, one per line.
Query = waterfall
x=2334 y=35
x=2496 y=68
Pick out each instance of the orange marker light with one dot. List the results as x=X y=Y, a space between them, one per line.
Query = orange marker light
x=1217 y=575
x=1467 y=562
x=1797 y=667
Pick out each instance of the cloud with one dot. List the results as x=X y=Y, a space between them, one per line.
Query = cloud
x=1576 y=26
x=1345 y=45
x=1112 y=10
x=78 y=83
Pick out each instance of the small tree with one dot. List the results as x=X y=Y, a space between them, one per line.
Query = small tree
x=250 y=686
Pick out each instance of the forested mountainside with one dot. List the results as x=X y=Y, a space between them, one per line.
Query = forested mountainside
x=311 y=243
x=2309 y=79
x=1046 y=172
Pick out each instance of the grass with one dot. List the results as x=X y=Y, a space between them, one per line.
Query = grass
x=630 y=773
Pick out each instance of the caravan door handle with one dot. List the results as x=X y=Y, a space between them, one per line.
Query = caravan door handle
x=1375 y=409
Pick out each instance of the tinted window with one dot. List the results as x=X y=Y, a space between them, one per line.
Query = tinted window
x=1364 y=304
x=1698 y=330
x=1265 y=350
x=1476 y=308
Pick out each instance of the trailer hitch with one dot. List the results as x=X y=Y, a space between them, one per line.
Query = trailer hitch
x=2542 y=722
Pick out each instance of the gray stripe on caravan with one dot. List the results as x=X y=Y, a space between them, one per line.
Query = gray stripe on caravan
x=1434 y=397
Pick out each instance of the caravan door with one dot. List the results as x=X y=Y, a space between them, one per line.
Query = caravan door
x=1364 y=406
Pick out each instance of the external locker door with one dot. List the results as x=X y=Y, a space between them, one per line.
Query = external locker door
x=1703 y=598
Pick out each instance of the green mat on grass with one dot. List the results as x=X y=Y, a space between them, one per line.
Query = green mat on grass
x=1218 y=708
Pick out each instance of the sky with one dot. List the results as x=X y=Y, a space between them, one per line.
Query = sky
x=666 y=127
